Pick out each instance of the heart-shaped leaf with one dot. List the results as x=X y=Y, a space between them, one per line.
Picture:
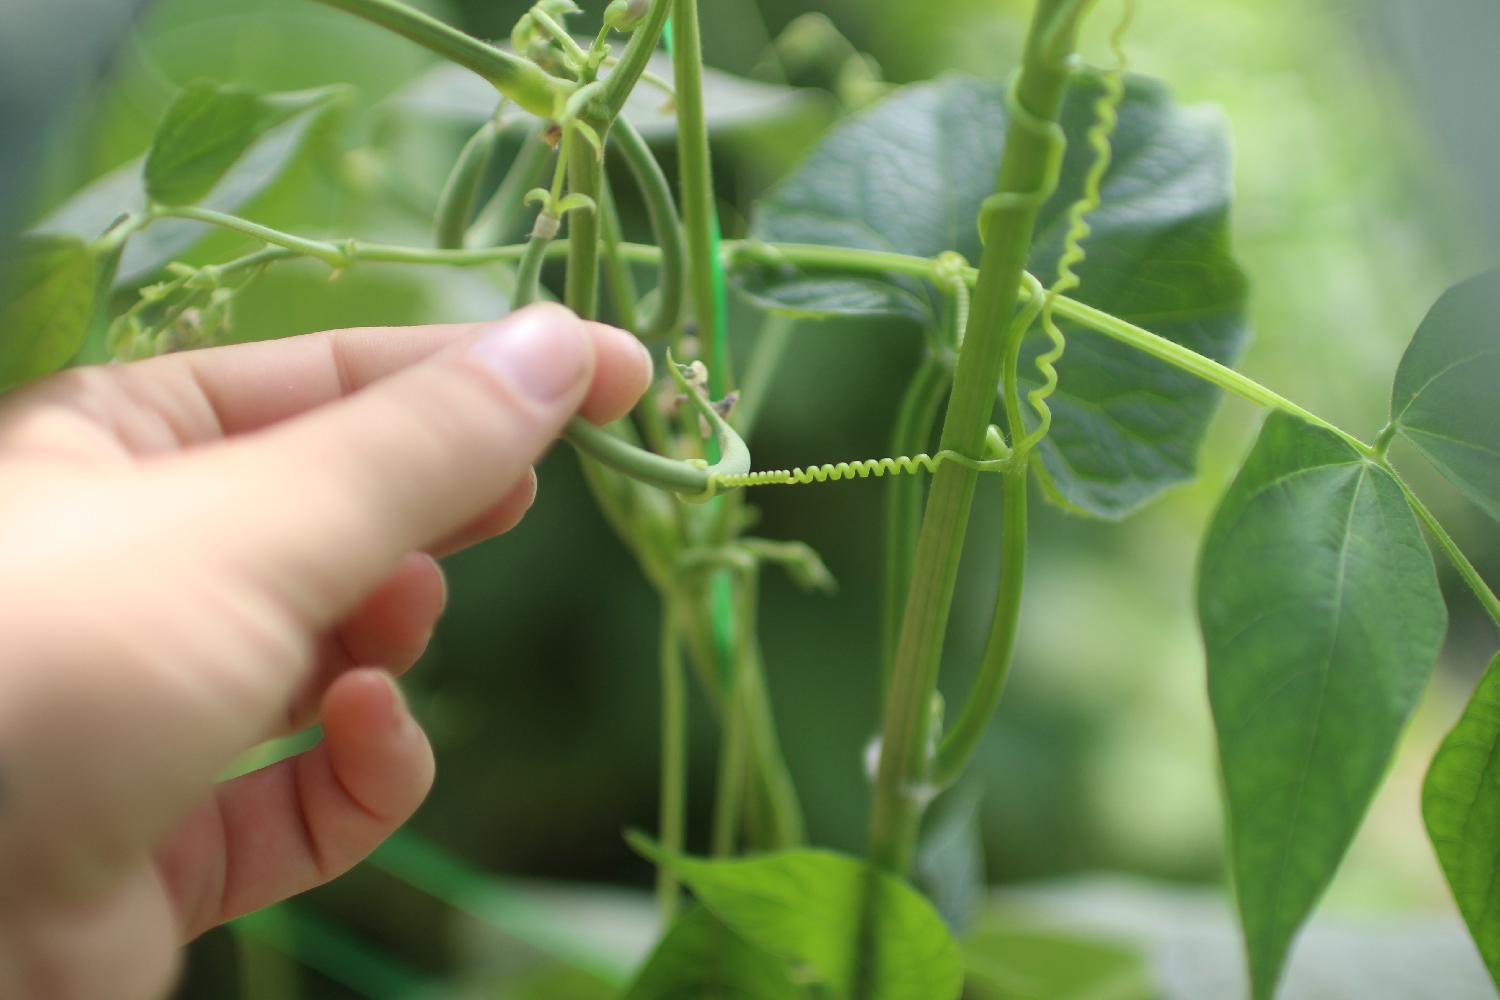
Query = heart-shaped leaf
x=806 y=907
x=909 y=176
x=700 y=958
x=206 y=131
x=1444 y=400
x=46 y=303
x=1322 y=619
x=1461 y=806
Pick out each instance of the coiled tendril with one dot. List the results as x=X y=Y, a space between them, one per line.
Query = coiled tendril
x=1106 y=119
x=1056 y=140
x=998 y=460
x=1040 y=302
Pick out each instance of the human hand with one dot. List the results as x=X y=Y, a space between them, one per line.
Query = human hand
x=206 y=550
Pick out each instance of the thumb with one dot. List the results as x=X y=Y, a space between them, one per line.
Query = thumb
x=335 y=498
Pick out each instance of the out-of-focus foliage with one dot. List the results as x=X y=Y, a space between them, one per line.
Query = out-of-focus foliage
x=540 y=688
x=46 y=291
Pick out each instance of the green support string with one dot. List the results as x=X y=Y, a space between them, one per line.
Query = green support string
x=715 y=327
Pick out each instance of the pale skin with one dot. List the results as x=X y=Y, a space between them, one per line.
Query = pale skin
x=207 y=550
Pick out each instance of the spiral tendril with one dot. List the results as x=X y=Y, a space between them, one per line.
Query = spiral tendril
x=998 y=460
x=1100 y=135
x=1041 y=301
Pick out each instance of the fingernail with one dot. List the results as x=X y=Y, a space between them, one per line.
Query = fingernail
x=400 y=708
x=543 y=352
x=398 y=697
x=442 y=579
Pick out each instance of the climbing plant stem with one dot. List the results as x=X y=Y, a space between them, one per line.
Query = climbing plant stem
x=698 y=211
x=1026 y=175
x=585 y=177
x=962 y=739
x=903 y=514
x=673 y=810
x=632 y=65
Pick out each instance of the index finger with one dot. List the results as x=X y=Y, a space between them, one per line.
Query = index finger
x=209 y=394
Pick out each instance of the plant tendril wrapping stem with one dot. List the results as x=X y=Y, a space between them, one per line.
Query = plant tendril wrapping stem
x=1106 y=119
x=1055 y=142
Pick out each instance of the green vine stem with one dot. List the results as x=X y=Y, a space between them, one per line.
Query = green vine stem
x=632 y=65
x=959 y=743
x=666 y=227
x=773 y=815
x=624 y=296
x=903 y=514
x=672 y=818
x=813 y=257
x=500 y=218
x=693 y=480
x=461 y=192
x=729 y=785
x=824 y=258
x=529 y=272
x=705 y=276
x=523 y=82
x=1027 y=175
x=335 y=255
x=696 y=168
x=585 y=178
x=736 y=678
x=1466 y=569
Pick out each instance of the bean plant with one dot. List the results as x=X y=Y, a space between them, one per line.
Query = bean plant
x=1063 y=240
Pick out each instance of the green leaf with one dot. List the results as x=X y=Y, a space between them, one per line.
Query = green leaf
x=1444 y=400
x=701 y=959
x=96 y=207
x=1461 y=806
x=805 y=906
x=208 y=129
x=909 y=176
x=1022 y=963
x=46 y=305
x=1322 y=619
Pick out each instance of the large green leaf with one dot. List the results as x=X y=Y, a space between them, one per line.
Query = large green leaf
x=206 y=131
x=1444 y=399
x=701 y=959
x=805 y=906
x=1322 y=618
x=46 y=303
x=909 y=176
x=1461 y=805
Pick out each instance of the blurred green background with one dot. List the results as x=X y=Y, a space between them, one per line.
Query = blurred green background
x=1358 y=202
